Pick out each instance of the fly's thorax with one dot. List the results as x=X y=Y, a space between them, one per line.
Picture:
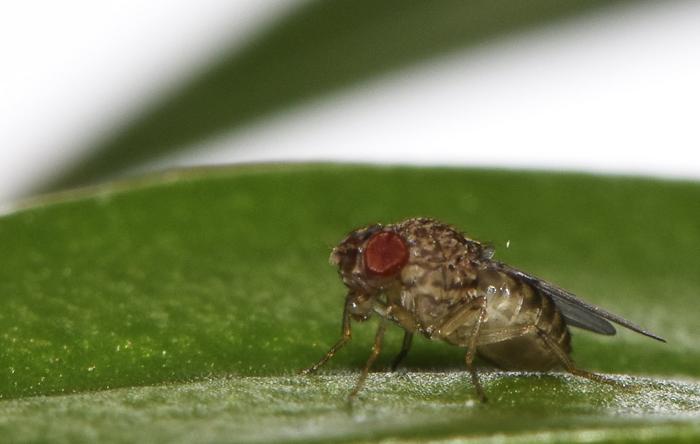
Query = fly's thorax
x=440 y=272
x=438 y=242
x=440 y=259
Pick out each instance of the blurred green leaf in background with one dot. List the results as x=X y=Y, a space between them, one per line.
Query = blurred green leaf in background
x=319 y=48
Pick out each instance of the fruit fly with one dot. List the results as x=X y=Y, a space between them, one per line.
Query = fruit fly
x=428 y=278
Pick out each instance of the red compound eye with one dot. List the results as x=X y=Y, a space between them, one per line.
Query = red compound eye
x=386 y=254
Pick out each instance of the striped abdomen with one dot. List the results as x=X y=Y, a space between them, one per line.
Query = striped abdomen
x=514 y=306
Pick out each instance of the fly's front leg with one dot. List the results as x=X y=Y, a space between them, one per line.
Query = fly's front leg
x=376 y=349
x=345 y=337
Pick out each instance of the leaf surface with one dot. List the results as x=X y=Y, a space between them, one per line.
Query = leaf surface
x=184 y=305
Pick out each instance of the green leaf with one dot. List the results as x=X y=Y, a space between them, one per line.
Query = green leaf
x=411 y=407
x=213 y=285
x=321 y=47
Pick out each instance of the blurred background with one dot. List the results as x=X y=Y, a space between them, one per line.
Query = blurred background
x=97 y=90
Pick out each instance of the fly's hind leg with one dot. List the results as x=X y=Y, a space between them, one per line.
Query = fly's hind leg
x=492 y=336
x=568 y=363
x=345 y=337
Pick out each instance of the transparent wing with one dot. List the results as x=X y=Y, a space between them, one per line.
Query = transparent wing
x=576 y=312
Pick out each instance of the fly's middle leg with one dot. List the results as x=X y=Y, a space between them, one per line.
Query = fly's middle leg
x=408 y=322
x=471 y=352
x=464 y=315
x=376 y=349
x=405 y=347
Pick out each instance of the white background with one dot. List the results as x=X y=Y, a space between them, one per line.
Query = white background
x=614 y=91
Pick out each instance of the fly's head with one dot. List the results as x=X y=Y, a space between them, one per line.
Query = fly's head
x=369 y=260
